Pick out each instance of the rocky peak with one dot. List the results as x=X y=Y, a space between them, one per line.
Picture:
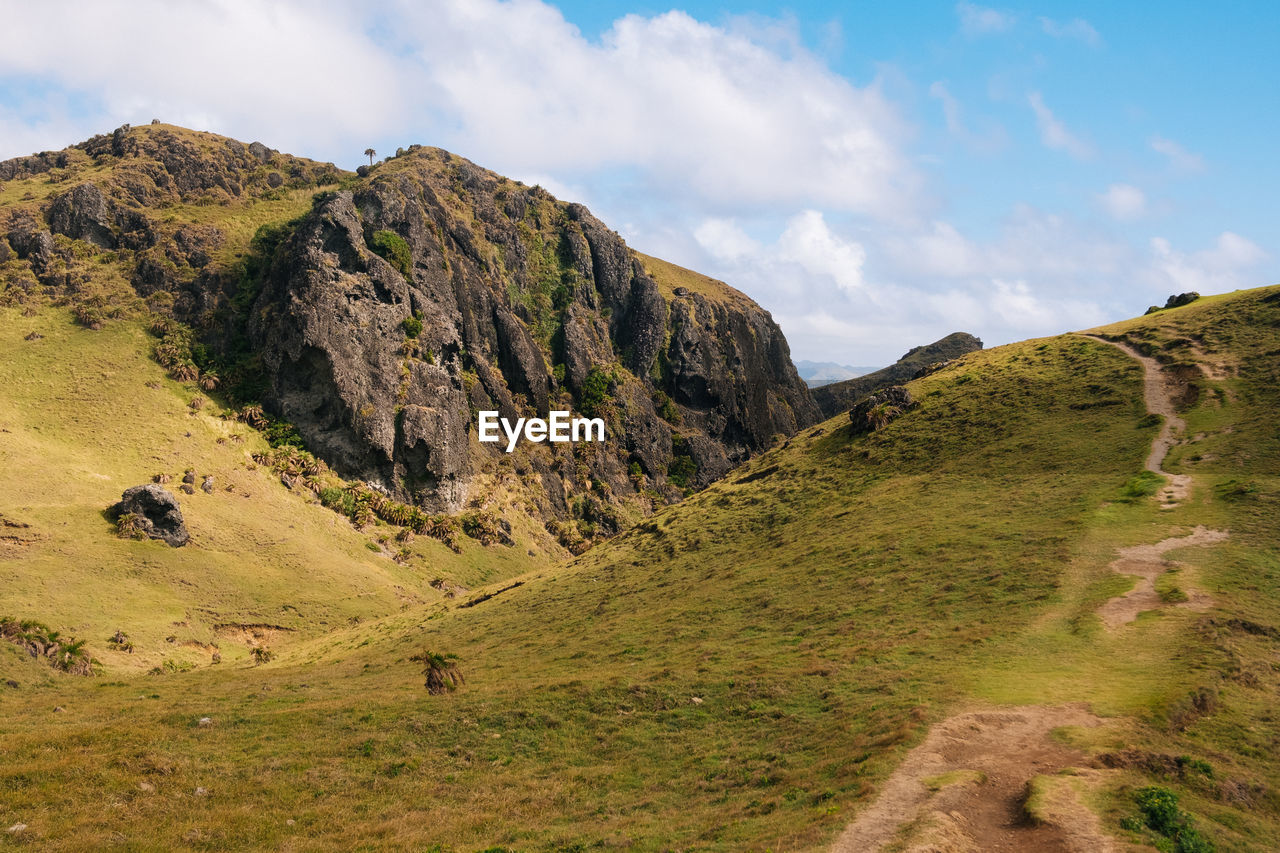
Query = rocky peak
x=525 y=304
x=840 y=396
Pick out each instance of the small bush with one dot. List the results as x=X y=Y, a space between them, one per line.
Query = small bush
x=482 y=527
x=1160 y=812
x=412 y=326
x=129 y=526
x=441 y=670
x=593 y=396
x=392 y=247
x=1141 y=485
x=666 y=407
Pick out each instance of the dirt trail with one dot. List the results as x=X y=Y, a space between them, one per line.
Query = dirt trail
x=1147 y=563
x=988 y=756
x=1159 y=399
x=965 y=788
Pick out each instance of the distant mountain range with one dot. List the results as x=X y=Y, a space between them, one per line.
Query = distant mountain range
x=819 y=373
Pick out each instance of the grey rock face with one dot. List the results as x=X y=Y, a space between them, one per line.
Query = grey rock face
x=158 y=513
x=508 y=284
x=82 y=213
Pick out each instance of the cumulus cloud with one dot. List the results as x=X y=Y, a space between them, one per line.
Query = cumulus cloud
x=1231 y=263
x=1179 y=158
x=724 y=240
x=697 y=108
x=242 y=68
x=808 y=241
x=734 y=115
x=981 y=20
x=1077 y=28
x=1124 y=202
x=1053 y=133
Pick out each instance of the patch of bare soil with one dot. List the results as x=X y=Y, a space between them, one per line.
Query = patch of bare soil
x=1147 y=563
x=251 y=635
x=964 y=788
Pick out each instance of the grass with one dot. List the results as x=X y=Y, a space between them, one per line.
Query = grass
x=669 y=276
x=88 y=414
x=818 y=623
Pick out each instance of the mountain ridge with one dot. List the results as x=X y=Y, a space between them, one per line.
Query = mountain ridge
x=303 y=301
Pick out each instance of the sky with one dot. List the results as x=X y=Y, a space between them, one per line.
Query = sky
x=876 y=175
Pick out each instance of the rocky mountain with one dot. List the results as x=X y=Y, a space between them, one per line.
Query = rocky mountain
x=837 y=397
x=379 y=315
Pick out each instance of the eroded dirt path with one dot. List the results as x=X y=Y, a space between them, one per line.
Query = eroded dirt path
x=1159 y=396
x=963 y=788
x=1147 y=563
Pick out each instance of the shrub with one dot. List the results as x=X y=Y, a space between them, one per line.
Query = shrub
x=392 y=247
x=1141 y=485
x=441 y=670
x=129 y=526
x=593 y=396
x=666 y=407
x=1160 y=812
x=482 y=527
x=412 y=326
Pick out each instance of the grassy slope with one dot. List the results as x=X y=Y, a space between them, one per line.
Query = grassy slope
x=824 y=604
x=82 y=422
x=669 y=276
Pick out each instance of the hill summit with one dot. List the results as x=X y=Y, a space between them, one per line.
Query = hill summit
x=374 y=315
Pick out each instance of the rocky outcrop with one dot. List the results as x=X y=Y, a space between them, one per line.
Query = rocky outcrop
x=840 y=396
x=878 y=410
x=380 y=321
x=155 y=513
x=82 y=213
x=526 y=304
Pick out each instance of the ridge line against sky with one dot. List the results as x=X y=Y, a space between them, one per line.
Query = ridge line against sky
x=875 y=177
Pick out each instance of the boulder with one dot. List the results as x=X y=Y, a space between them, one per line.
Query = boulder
x=157 y=511
x=83 y=213
x=876 y=411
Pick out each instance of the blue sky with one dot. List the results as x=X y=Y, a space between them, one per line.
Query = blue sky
x=876 y=175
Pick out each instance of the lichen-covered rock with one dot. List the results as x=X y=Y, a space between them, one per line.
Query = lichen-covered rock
x=157 y=513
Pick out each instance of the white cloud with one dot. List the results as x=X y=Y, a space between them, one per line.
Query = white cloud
x=724 y=240
x=808 y=241
x=1077 y=28
x=980 y=20
x=736 y=115
x=1179 y=158
x=1124 y=202
x=1231 y=263
x=1054 y=134
x=239 y=68
x=697 y=108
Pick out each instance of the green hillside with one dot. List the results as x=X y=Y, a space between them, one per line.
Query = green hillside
x=743 y=670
